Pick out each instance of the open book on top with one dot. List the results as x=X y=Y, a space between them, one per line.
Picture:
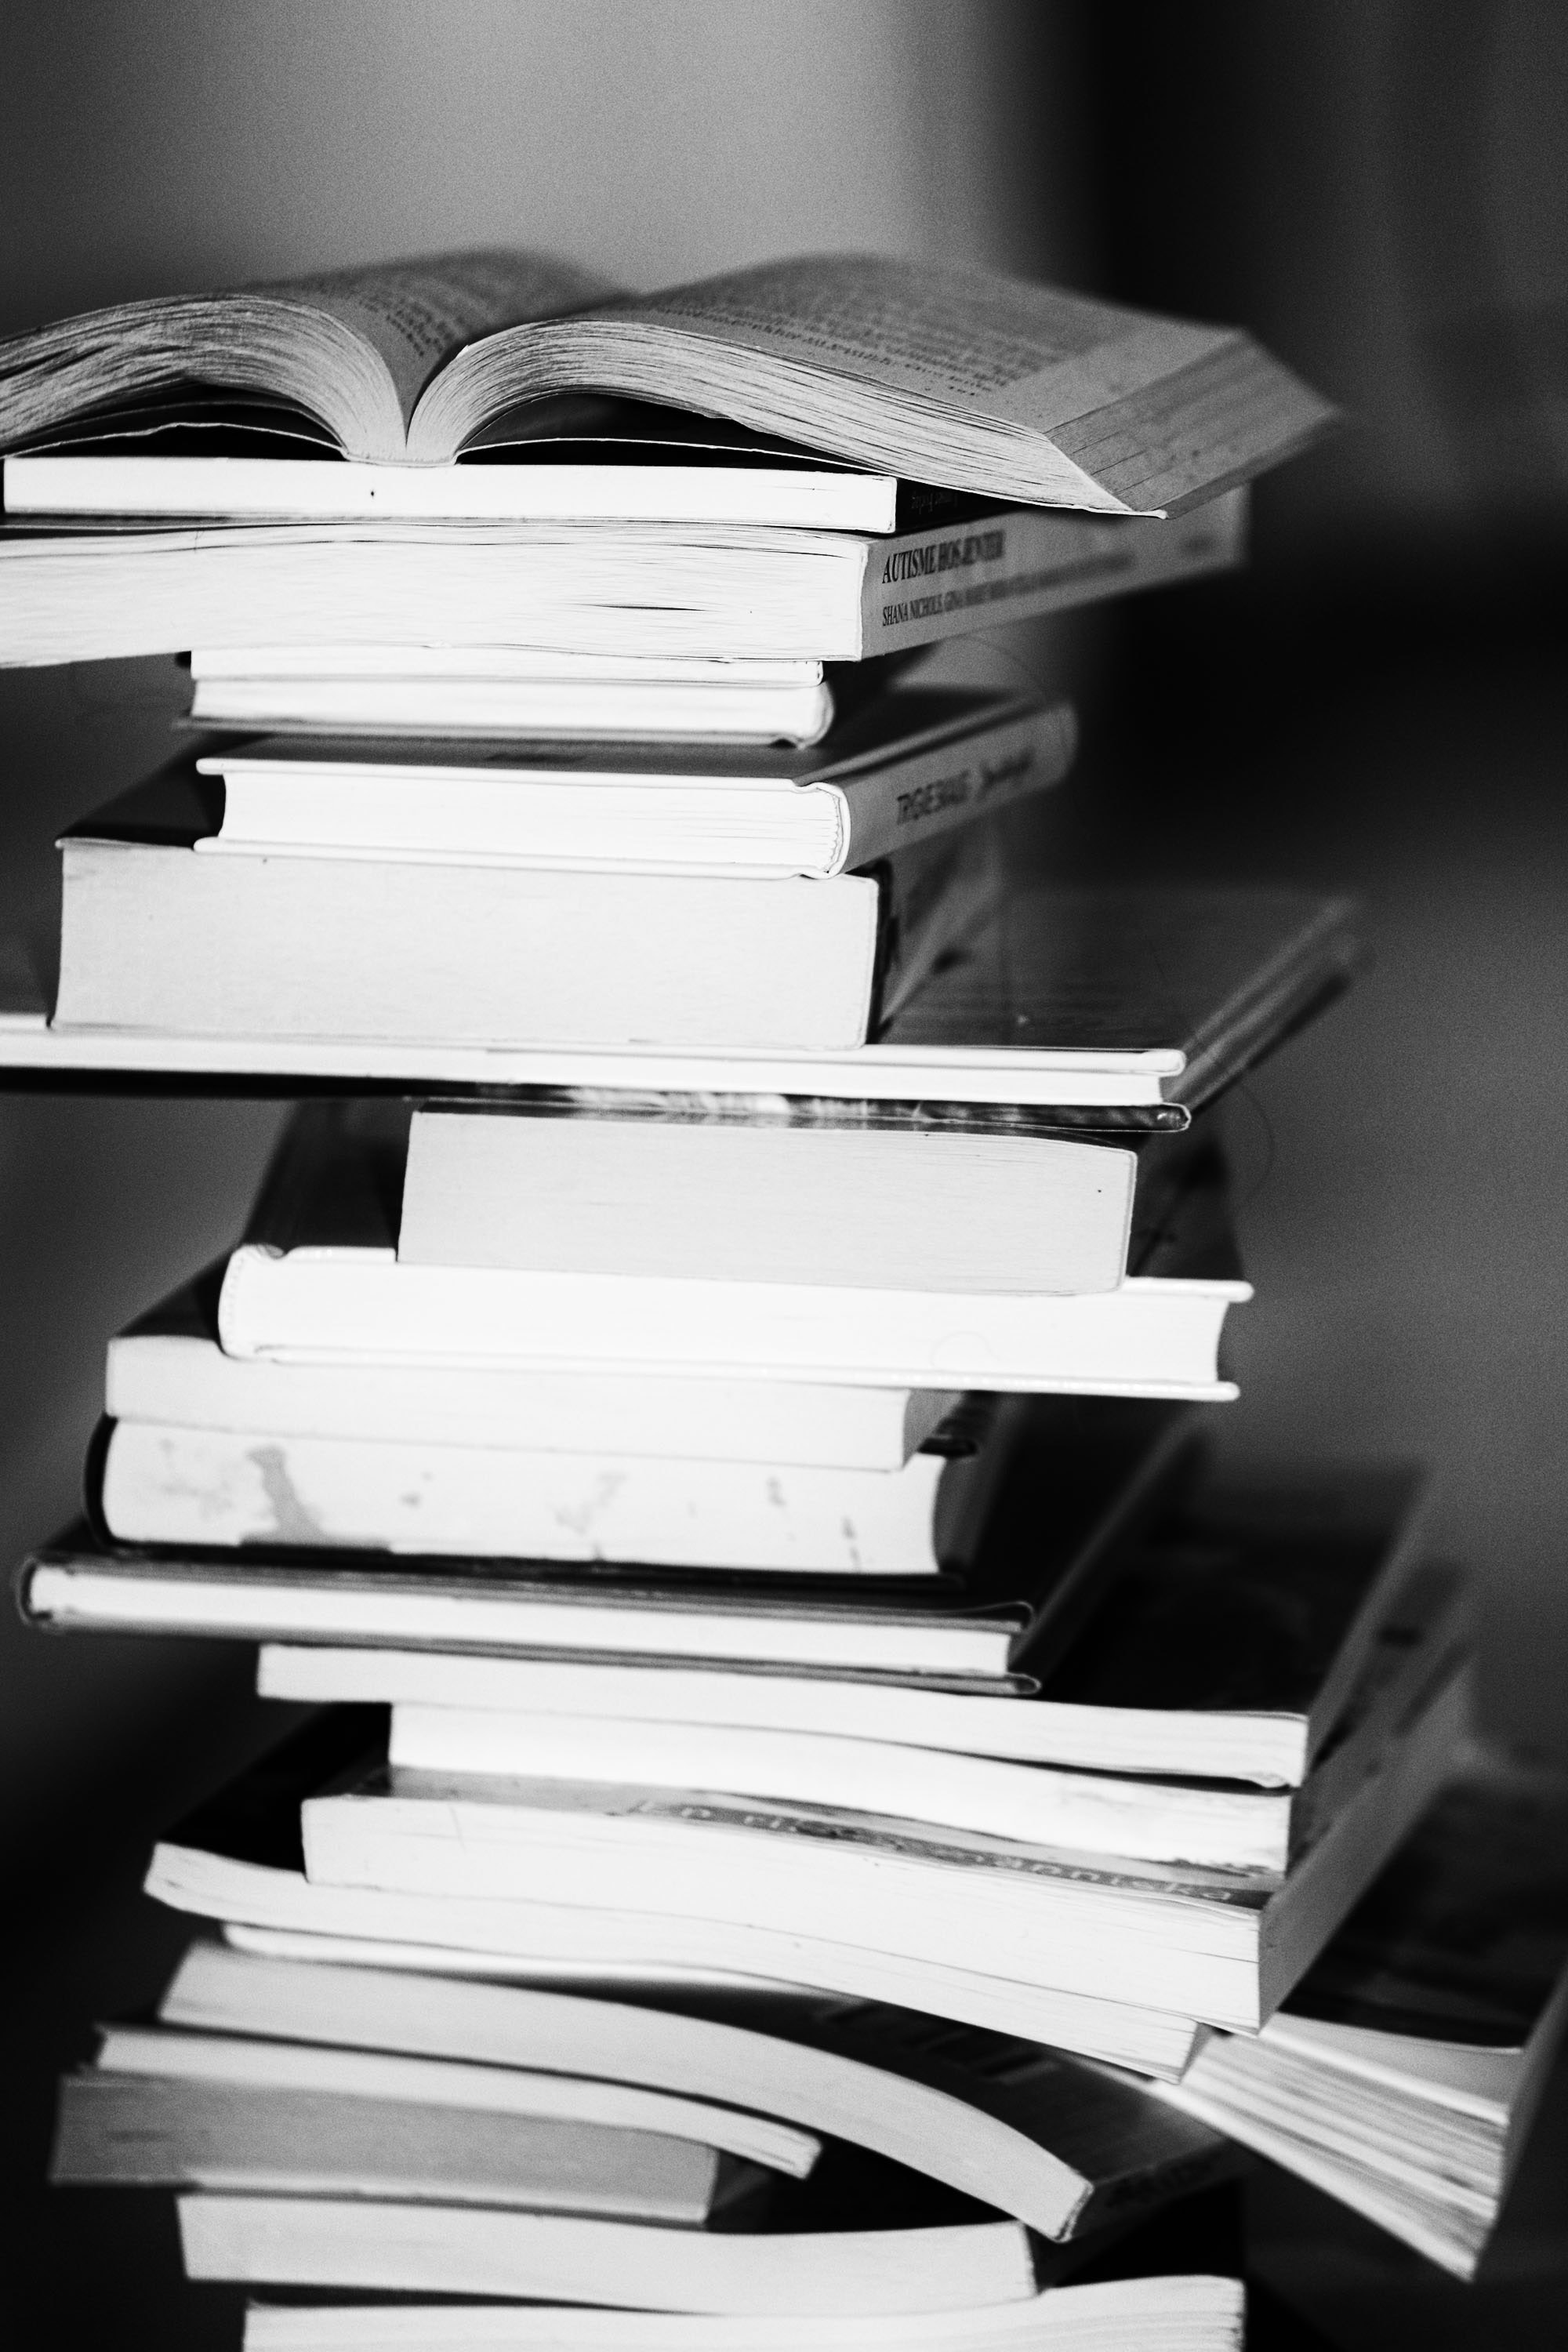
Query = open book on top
x=982 y=383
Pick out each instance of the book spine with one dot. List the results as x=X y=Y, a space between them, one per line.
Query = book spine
x=934 y=895
x=951 y=785
x=930 y=584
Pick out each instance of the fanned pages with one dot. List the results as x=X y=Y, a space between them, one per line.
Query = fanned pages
x=980 y=383
x=352 y=350
x=1405 y=2074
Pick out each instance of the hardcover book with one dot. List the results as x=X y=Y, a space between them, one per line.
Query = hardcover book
x=916 y=762
x=154 y=936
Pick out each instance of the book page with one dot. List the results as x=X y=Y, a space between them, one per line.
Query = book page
x=352 y=348
x=984 y=345
x=418 y=313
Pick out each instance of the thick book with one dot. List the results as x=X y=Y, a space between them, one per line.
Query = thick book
x=167 y=1367
x=162 y=1485
x=506 y=691
x=1022 y=2129
x=239 y=1860
x=1145 y=2313
x=727 y=1189
x=75 y=591
x=1091 y=1471
x=919 y=762
x=154 y=937
x=418 y=2074
x=272 y=2140
x=983 y=383
x=1404 y=2074
x=1127 y=1008
x=1221 y=1827
x=1222 y=1946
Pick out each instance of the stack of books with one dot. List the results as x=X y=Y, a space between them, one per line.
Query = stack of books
x=810 y=1756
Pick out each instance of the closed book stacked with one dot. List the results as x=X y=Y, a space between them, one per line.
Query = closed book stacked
x=808 y=1748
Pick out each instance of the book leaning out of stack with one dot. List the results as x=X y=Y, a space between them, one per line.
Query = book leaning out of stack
x=1404 y=2073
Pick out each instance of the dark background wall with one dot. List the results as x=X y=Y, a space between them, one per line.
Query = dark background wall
x=1380 y=191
